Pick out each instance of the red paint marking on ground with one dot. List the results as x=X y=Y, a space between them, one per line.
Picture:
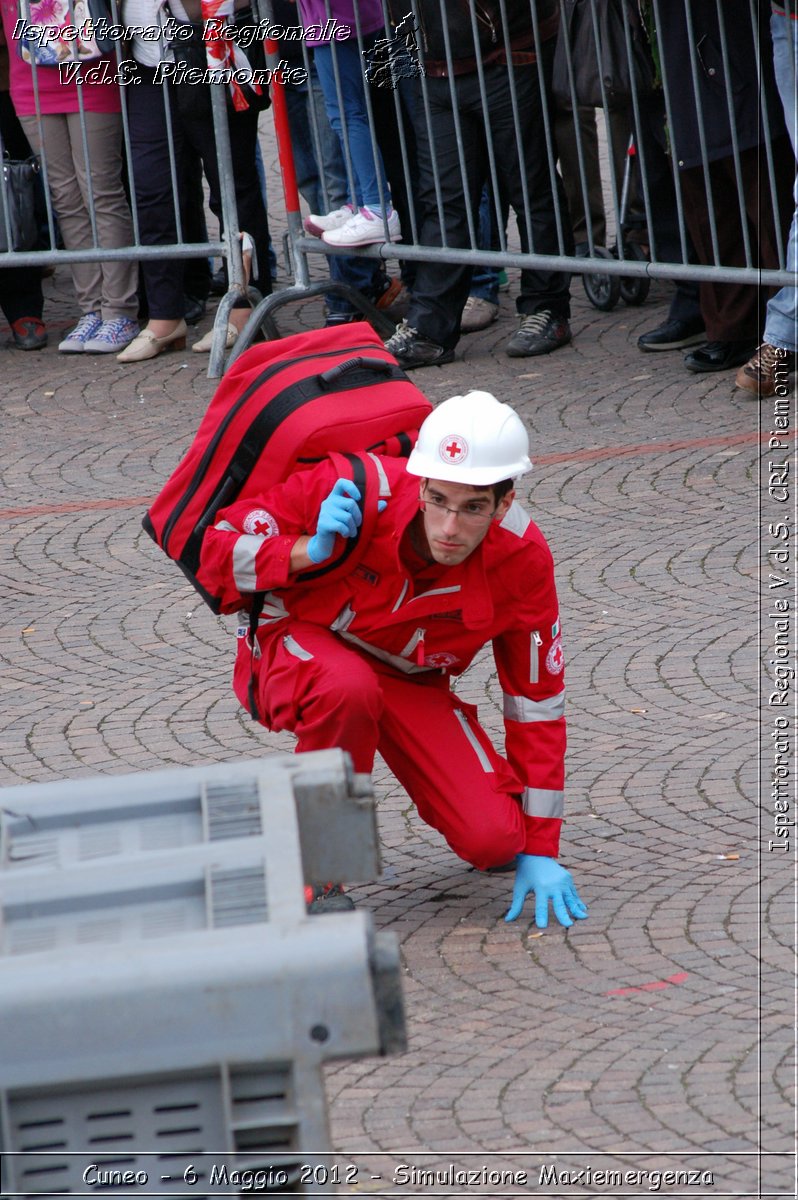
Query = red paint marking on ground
x=574 y=456
x=47 y=510
x=656 y=986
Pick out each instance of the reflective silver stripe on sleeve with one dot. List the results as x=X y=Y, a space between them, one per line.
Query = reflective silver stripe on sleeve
x=385 y=487
x=541 y=802
x=519 y=708
x=479 y=750
x=244 y=554
x=226 y=527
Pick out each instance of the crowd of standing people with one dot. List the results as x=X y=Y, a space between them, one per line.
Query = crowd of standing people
x=428 y=126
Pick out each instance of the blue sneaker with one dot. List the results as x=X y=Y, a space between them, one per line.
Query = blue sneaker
x=112 y=336
x=87 y=326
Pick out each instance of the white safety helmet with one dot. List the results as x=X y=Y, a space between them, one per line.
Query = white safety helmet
x=471 y=439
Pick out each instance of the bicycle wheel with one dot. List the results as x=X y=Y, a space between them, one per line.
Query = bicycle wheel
x=603 y=291
x=634 y=288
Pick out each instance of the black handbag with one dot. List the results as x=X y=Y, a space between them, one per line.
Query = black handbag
x=18 y=228
x=190 y=52
x=605 y=60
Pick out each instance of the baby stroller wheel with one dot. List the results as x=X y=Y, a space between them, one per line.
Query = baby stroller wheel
x=634 y=288
x=603 y=291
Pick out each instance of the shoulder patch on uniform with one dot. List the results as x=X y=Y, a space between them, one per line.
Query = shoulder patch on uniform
x=261 y=522
x=555 y=660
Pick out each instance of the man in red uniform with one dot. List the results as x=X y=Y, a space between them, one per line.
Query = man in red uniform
x=363 y=662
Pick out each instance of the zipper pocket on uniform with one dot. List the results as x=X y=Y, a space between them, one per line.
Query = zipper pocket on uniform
x=534 y=668
x=415 y=647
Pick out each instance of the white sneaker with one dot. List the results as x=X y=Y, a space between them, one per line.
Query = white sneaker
x=317 y=225
x=364 y=229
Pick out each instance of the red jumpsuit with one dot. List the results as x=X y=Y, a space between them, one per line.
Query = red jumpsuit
x=363 y=662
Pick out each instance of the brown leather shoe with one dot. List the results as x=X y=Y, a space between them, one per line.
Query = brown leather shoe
x=767 y=371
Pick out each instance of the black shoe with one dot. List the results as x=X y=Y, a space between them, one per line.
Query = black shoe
x=719 y=356
x=673 y=335
x=326 y=898
x=411 y=350
x=194 y=309
x=28 y=333
x=340 y=318
x=538 y=333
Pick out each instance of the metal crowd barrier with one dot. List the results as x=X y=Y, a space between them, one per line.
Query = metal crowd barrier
x=226 y=246
x=166 y=1003
x=400 y=70
x=399 y=87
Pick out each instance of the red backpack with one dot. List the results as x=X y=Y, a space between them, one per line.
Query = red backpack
x=283 y=406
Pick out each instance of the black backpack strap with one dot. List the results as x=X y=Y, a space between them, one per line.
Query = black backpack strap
x=256 y=608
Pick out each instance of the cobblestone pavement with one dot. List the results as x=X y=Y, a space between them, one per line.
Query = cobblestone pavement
x=659 y=1034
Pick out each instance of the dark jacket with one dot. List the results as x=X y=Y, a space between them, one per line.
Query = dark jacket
x=710 y=97
x=489 y=25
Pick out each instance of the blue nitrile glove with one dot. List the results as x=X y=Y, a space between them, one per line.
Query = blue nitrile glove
x=549 y=881
x=338 y=514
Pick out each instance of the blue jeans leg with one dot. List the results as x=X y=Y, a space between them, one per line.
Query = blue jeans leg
x=781 y=323
x=367 y=165
x=485 y=281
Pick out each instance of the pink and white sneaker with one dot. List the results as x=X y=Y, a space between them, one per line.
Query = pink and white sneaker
x=365 y=228
x=318 y=225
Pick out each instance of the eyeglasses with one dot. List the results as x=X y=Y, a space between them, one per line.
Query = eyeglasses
x=470 y=515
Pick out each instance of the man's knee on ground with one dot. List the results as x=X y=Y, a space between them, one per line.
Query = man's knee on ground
x=486 y=844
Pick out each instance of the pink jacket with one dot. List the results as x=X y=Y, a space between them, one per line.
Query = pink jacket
x=55 y=96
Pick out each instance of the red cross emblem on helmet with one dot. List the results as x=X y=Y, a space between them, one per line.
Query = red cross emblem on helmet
x=453 y=449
